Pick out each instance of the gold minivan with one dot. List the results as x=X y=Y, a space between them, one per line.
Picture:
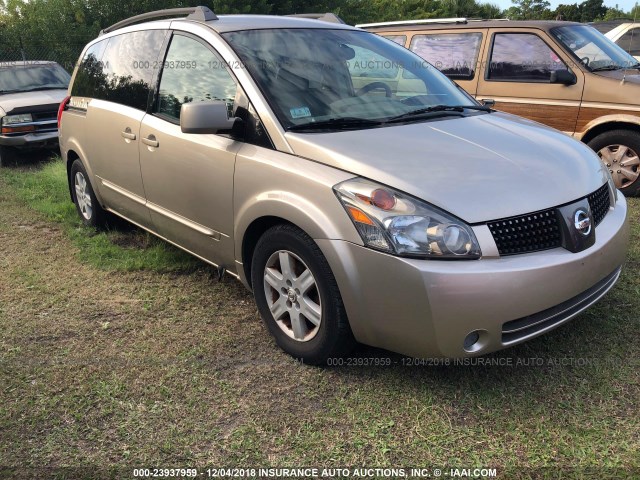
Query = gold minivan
x=563 y=74
x=404 y=216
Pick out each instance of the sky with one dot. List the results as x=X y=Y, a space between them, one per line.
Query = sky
x=625 y=5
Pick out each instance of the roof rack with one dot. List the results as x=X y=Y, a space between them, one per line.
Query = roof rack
x=414 y=22
x=323 y=17
x=199 y=14
x=488 y=20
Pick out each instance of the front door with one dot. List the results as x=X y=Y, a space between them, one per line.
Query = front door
x=188 y=178
x=517 y=75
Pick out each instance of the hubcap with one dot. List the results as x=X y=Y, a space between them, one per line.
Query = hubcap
x=292 y=296
x=82 y=196
x=622 y=162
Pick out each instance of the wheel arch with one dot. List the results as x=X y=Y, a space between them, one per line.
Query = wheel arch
x=252 y=234
x=617 y=123
x=71 y=155
x=257 y=217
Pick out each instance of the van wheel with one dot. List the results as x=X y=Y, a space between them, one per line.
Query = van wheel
x=84 y=198
x=619 y=151
x=297 y=296
x=7 y=156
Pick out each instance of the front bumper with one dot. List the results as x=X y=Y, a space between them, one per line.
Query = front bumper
x=30 y=140
x=426 y=308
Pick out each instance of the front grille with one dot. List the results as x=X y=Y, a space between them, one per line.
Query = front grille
x=42 y=116
x=524 y=327
x=527 y=233
x=599 y=202
x=541 y=230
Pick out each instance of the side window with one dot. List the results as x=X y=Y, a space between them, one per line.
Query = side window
x=399 y=39
x=192 y=73
x=129 y=63
x=377 y=75
x=522 y=57
x=454 y=54
x=90 y=72
x=630 y=42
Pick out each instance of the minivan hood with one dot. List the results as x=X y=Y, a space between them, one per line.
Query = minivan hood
x=480 y=168
x=10 y=101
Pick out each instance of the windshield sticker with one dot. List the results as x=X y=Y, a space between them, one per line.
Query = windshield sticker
x=301 y=112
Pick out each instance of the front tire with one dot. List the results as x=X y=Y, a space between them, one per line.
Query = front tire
x=90 y=211
x=298 y=297
x=620 y=152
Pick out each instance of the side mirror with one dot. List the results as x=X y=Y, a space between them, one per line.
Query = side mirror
x=205 y=117
x=488 y=102
x=564 y=77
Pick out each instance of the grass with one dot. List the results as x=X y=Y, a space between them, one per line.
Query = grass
x=120 y=248
x=107 y=365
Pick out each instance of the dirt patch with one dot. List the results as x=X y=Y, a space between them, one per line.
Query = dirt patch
x=147 y=368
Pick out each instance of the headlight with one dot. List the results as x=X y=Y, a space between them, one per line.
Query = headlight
x=13 y=119
x=396 y=223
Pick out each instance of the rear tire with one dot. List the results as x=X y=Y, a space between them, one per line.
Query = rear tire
x=298 y=297
x=620 y=152
x=90 y=211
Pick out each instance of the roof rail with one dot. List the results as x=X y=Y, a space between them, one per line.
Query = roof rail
x=324 y=17
x=488 y=20
x=413 y=22
x=199 y=14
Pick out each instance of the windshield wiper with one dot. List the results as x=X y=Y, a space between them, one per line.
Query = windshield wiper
x=438 y=108
x=346 y=123
x=35 y=89
x=606 y=68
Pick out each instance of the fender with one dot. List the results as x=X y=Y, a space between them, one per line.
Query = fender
x=608 y=119
x=275 y=186
x=72 y=144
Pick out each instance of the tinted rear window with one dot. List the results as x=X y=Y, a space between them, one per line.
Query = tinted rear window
x=124 y=72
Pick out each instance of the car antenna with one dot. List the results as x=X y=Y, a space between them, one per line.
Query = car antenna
x=635 y=17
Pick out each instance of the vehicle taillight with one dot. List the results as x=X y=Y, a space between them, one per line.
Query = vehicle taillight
x=62 y=108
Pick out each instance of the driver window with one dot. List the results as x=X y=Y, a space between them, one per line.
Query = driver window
x=192 y=73
x=522 y=57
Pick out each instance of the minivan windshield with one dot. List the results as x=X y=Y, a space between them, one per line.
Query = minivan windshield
x=345 y=79
x=25 y=77
x=593 y=49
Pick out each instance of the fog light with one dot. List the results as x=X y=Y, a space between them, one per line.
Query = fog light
x=476 y=341
x=471 y=340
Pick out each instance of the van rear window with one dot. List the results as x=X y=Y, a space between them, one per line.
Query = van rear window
x=454 y=54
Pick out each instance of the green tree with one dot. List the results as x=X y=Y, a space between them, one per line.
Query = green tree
x=489 y=10
x=591 y=10
x=529 y=9
x=569 y=13
x=614 y=13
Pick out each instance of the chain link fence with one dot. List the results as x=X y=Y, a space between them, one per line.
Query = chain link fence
x=64 y=54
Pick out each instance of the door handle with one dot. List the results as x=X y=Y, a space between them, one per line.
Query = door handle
x=128 y=134
x=150 y=140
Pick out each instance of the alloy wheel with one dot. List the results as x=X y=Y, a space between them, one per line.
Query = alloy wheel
x=623 y=163
x=292 y=295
